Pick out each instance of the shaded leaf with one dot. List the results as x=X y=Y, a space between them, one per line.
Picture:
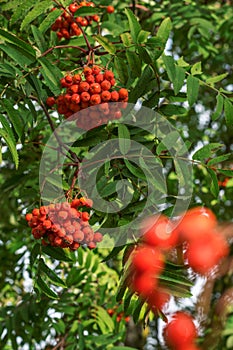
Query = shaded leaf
x=228 y=109
x=207 y=151
x=107 y=45
x=52 y=276
x=35 y=12
x=192 y=89
x=12 y=146
x=124 y=138
x=135 y=63
x=43 y=287
x=165 y=29
x=122 y=69
x=219 y=107
x=58 y=253
x=134 y=25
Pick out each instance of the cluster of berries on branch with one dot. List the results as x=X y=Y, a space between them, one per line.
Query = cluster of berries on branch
x=181 y=333
x=91 y=87
x=201 y=246
x=68 y=25
x=64 y=225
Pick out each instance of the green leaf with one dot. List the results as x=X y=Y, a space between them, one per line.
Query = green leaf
x=14 y=117
x=192 y=89
x=51 y=74
x=141 y=86
x=87 y=11
x=207 y=151
x=144 y=55
x=108 y=189
x=135 y=170
x=228 y=109
x=217 y=160
x=122 y=69
x=107 y=45
x=170 y=67
x=124 y=138
x=219 y=107
x=102 y=315
x=10 y=38
x=20 y=56
x=196 y=68
x=123 y=348
x=214 y=187
x=168 y=142
x=143 y=36
x=179 y=79
x=34 y=253
x=45 y=288
x=39 y=38
x=135 y=63
x=227 y=172
x=216 y=79
x=137 y=310
x=134 y=25
x=49 y=20
x=170 y=110
x=37 y=10
x=12 y=146
x=58 y=253
x=165 y=29
x=52 y=276
x=126 y=39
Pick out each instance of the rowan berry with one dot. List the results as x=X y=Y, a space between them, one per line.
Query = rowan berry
x=123 y=94
x=73 y=7
x=110 y=9
x=95 y=99
x=83 y=86
x=99 y=78
x=106 y=85
x=50 y=101
x=105 y=96
x=114 y=96
x=85 y=97
x=158 y=231
x=144 y=284
x=108 y=75
x=181 y=331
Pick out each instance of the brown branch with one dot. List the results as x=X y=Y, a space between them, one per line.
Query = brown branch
x=62 y=47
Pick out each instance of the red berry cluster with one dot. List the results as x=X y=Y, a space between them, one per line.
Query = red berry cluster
x=119 y=315
x=181 y=333
x=92 y=87
x=67 y=25
x=147 y=263
x=203 y=248
x=64 y=225
x=204 y=245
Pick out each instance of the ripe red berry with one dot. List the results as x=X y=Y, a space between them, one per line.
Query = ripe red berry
x=203 y=254
x=114 y=96
x=77 y=78
x=123 y=94
x=75 y=99
x=85 y=97
x=158 y=231
x=50 y=101
x=108 y=75
x=28 y=216
x=95 y=88
x=73 y=7
x=106 y=96
x=87 y=71
x=90 y=79
x=106 y=85
x=181 y=331
x=98 y=237
x=146 y=258
x=95 y=70
x=74 y=88
x=110 y=9
x=158 y=299
x=95 y=99
x=144 y=284
x=83 y=86
x=99 y=78
x=195 y=223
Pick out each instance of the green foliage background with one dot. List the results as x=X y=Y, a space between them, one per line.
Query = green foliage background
x=175 y=57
